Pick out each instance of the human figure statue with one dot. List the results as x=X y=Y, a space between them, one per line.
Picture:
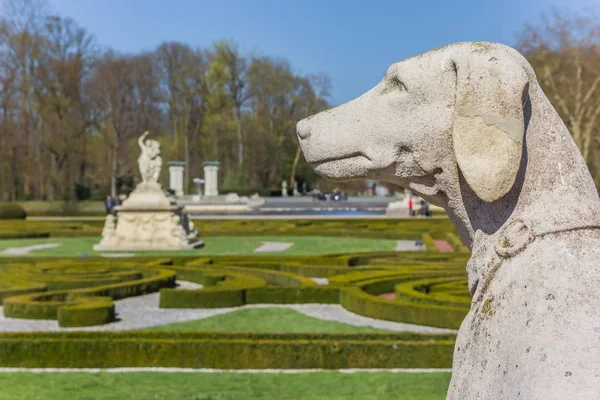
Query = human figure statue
x=150 y=161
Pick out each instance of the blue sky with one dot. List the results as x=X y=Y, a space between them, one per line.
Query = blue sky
x=353 y=42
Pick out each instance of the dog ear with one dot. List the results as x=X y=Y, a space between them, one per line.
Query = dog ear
x=488 y=125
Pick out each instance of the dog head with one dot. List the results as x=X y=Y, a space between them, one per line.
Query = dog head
x=458 y=108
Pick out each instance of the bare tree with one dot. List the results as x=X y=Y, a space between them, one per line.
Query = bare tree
x=313 y=93
x=64 y=104
x=182 y=72
x=564 y=50
x=113 y=89
x=236 y=71
x=60 y=98
x=22 y=32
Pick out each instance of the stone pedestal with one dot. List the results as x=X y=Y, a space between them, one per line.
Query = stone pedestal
x=148 y=221
x=176 y=169
x=211 y=186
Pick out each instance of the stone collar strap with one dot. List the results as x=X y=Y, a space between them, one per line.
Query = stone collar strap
x=511 y=240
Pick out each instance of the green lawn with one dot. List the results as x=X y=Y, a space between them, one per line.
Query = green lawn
x=224 y=386
x=272 y=320
x=224 y=245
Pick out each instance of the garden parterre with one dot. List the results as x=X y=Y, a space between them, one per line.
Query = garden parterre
x=426 y=288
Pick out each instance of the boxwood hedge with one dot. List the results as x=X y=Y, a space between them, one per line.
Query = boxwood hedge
x=429 y=287
x=12 y=211
x=224 y=350
x=86 y=306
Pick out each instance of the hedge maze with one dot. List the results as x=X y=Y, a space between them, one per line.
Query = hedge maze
x=75 y=294
x=427 y=288
x=432 y=293
x=427 y=293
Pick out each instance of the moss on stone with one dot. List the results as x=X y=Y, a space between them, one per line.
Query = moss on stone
x=482 y=47
x=488 y=308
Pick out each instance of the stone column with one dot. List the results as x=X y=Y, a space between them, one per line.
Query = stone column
x=211 y=186
x=176 y=169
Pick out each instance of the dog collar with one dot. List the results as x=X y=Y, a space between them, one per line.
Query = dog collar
x=517 y=235
x=511 y=240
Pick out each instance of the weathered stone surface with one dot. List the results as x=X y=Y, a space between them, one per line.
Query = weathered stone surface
x=148 y=221
x=148 y=230
x=467 y=127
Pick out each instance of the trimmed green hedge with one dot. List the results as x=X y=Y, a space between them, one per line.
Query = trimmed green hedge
x=84 y=307
x=293 y=295
x=270 y=276
x=298 y=265
x=229 y=292
x=428 y=242
x=430 y=287
x=38 y=306
x=423 y=291
x=12 y=211
x=408 y=229
x=356 y=291
x=224 y=350
x=201 y=298
x=76 y=276
x=23 y=235
x=456 y=242
x=212 y=278
x=20 y=289
x=357 y=301
x=26 y=228
x=92 y=311
x=69 y=310
x=228 y=296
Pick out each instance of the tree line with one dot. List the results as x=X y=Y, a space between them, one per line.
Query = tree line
x=564 y=51
x=71 y=111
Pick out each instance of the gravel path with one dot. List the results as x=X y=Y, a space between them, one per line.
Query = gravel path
x=117 y=255
x=143 y=312
x=273 y=247
x=21 y=251
x=408 y=245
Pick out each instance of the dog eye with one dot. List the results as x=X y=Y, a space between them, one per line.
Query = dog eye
x=396 y=83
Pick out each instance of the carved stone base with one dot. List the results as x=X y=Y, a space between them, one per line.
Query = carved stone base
x=147 y=221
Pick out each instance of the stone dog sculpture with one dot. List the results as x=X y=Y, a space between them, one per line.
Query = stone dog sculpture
x=468 y=128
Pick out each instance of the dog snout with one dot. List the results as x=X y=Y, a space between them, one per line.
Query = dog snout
x=303 y=130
